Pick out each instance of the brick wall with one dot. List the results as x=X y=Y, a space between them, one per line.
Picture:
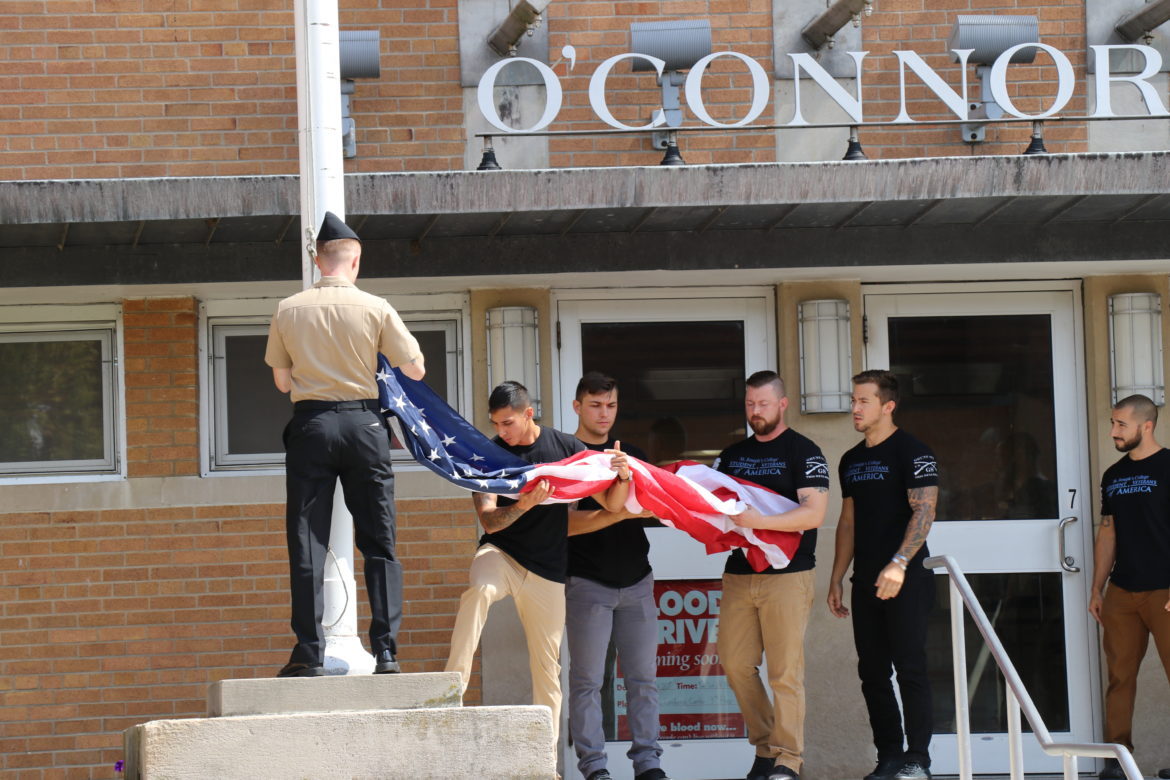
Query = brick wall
x=162 y=387
x=117 y=88
x=924 y=26
x=115 y=617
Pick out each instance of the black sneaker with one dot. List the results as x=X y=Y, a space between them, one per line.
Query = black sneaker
x=886 y=769
x=781 y=772
x=1164 y=774
x=761 y=768
x=600 y=774
x=912 y=770
x=1112 y=770
x=386 y=663
x=651 y=774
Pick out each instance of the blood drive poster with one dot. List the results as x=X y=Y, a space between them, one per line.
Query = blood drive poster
x=694 y=699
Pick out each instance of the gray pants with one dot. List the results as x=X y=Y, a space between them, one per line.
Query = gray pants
x=594 y=614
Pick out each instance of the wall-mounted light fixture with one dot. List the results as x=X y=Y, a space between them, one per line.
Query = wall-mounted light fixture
x=1142 y=22
x=680 y=44
x=821 y=31
x=514 y=349
x=524 y=19
x=1135 y=346
x=360 y=57
x=988 y=36
x=826 y=356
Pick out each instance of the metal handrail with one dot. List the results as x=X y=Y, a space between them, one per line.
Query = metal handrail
x=1018 y=698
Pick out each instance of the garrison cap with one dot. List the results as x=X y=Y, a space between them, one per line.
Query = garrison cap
x=333 y=227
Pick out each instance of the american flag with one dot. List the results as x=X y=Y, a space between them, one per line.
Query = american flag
x=688 y=496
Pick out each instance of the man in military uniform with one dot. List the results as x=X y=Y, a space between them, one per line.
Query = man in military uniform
x=323 y=348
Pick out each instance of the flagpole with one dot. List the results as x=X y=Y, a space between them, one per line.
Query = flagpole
x=322 y=188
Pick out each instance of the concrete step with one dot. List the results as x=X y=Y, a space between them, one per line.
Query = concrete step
x=506 y=742
x=341 y=693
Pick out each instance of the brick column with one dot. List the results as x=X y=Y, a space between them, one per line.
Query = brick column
x=162 y=387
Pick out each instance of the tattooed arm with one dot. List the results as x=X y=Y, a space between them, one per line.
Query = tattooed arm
x=1104 y=554
x=810 y=513
x=496 y=518
x=923 y=501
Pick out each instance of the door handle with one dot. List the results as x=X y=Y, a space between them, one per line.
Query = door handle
x=1067 y=562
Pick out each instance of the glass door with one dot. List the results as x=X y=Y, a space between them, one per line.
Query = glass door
x=993 y=382
x=680 y=362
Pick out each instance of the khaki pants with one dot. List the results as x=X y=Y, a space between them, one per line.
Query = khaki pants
x=1129 y=619
x=766 y=614
x=541 y=604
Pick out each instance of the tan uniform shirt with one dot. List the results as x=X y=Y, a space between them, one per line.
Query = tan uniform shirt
x=330 y=335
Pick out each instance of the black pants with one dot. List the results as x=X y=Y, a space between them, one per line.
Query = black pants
x=325 y=441
x=890 y=636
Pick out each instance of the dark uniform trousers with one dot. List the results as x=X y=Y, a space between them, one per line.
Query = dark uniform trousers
x=326 y=440
x=891 y=635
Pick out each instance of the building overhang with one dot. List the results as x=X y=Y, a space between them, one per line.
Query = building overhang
x=969 y=210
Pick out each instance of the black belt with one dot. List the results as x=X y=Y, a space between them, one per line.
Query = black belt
x=336 y=406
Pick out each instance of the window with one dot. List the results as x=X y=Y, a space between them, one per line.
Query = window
x=58 y=398
x=247 y=414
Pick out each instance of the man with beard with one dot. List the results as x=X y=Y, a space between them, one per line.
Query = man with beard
x=765 y=613
x=1132 y=552
x=889 y=489
x=609 y=605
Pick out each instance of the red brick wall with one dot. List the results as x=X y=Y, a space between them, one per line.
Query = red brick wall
x=162 y=387
x=924 y=26
x=117 y=88
x=112 y=618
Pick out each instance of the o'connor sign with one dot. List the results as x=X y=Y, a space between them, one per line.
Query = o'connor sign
x=954 y=100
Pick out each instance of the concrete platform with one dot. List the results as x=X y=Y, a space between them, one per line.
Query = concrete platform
x=339 y=693
x=510 y=743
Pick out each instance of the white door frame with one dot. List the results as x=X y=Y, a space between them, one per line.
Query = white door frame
x=673 y=555
x=1036 y=546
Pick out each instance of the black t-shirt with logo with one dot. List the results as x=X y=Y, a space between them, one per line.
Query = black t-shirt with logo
x=616 y=555
x=537 y=540
x=1136 y=493
x=877 y=478
x=784 y=465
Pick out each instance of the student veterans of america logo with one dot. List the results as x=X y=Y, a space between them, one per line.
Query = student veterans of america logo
x=925 y=466
x=1124 y=486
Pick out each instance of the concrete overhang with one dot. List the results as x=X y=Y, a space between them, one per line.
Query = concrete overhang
x=952 y=210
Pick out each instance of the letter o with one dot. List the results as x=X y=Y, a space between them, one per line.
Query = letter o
x=670 y=603
x=597 y=90
x=694 y=89
x=1064 y=80
x=695 y=602
x=485 y=94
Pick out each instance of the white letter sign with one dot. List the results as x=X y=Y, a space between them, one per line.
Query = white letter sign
x=485 y=93
x=1064 y=80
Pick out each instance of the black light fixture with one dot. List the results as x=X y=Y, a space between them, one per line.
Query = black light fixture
x=672 y=156
x=488 y=162
x=854 y=150
x=1037 y=144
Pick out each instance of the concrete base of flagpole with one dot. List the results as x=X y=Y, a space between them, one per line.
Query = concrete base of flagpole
x=346 y=655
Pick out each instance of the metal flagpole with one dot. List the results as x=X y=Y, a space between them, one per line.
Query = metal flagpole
x=323 y=189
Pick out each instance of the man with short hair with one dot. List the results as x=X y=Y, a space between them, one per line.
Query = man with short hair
x=523 y=552
x=323 y=347
x=889 y=488
x=609 y=595
x=1132 y=554
x=764 y=614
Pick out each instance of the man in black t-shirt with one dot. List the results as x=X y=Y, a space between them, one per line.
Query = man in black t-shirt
x=523 y=551
x=765 y=613
x=889 y=488
x=609 y=596
x=1132 y=552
